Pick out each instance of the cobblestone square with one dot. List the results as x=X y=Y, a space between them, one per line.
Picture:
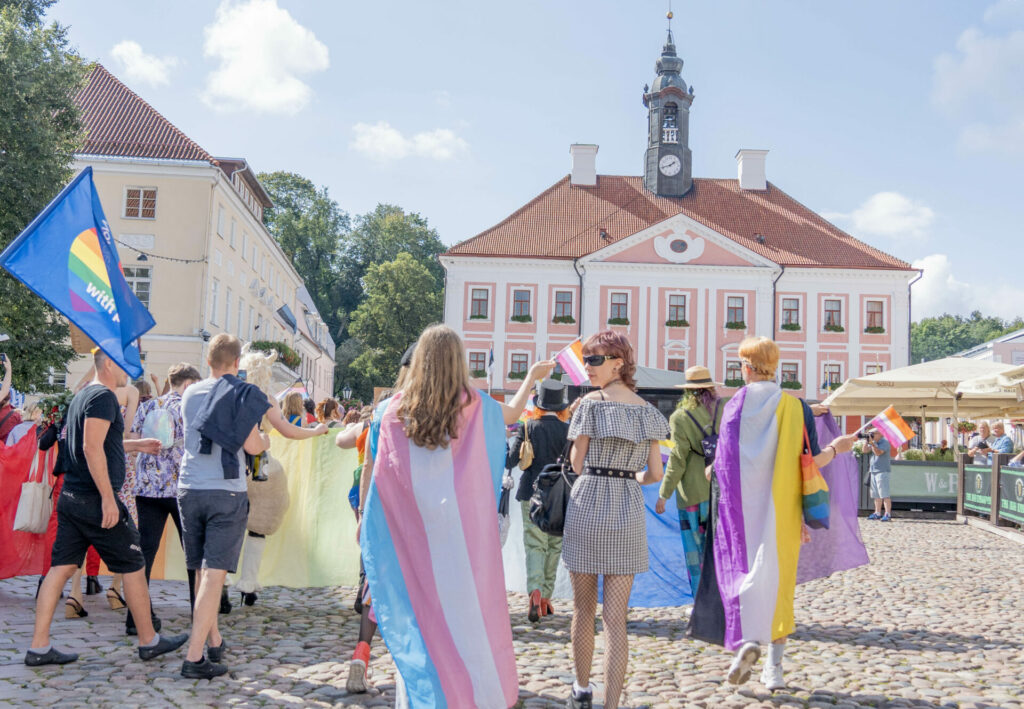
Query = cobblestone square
x=935 y=620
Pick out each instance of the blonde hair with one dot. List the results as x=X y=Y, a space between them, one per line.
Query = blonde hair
x=224 y=350
x=293 y=405
x=760 y=354
x=436 y=389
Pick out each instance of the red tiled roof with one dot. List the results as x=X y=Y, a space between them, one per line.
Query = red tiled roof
x=565 y=222
x=118 y=122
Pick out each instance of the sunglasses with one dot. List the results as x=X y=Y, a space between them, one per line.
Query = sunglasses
x=597 y=360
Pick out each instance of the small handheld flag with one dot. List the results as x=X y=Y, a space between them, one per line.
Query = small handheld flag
x=666 y=450
x=529 y=411
x=571 y=359
x=67 y=257
x=297 y=388
x=893 y=427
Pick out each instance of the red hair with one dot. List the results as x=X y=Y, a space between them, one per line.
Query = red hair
x=612 y=343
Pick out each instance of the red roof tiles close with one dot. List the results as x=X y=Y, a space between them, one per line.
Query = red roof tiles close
x=118 y=122
x=566 y=221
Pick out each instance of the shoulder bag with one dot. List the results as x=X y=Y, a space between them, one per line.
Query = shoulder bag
x=526 y=448
x=814 y=489
x=551 y=490
x=35 y=503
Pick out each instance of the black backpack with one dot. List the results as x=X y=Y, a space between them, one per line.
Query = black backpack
x=551 y=490
x=709 y=443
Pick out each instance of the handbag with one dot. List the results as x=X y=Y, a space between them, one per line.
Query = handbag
x=814 y=489
x=504 y=520
x=551 y=490
x=35 y=504
x=525 y=448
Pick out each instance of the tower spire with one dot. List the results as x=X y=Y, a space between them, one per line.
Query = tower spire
x=669 y=16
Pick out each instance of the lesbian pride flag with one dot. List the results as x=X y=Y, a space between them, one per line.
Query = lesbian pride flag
x=433 y=560
x=893 y=427
x=571 y=359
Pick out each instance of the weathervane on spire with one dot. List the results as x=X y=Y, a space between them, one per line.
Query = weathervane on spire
x=669 y=16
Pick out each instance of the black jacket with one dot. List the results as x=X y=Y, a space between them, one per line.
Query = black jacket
x=548 y=436
x=226 y=418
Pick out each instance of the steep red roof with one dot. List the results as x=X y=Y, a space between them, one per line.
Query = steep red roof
x=118 y=122
x=566 y=221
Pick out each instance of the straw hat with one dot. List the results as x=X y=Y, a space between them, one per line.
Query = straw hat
x=698 y=377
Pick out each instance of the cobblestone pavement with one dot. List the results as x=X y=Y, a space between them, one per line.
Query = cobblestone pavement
x=935 y=620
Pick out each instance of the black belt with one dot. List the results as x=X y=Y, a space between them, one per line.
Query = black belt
x=610 y=472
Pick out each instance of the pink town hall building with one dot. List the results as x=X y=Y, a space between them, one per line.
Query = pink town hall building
x=685 y=267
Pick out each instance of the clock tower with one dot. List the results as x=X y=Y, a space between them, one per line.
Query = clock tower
x=668 y=163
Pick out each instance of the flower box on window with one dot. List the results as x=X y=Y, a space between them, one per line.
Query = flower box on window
x=677 y=323
x=564 y=320
x=835 y=328
x=618 y=321
x=791 y=385
x=517 y=375
x=736 y=325
x=831 y=386
x=874 y=330
x=477 y=317
x=734 y=382
x=522 y=318
x=791 y=326
x=479 y=374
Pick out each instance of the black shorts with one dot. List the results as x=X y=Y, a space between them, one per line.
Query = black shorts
x=79 y=526
x=213 y=527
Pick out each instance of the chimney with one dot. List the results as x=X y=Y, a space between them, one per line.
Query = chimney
x=584 y=164
x=750 y=164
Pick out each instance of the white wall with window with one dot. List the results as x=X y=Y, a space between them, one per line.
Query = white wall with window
x=833 y=313
x=618 y=308
x=140 y=280
x=214 y=300
x=789 y=372
x=521 y=304
x=220 y=220
x=790 y=311
x=735 y=309
x=140 y=202
x=479 y=304
x=563 y=304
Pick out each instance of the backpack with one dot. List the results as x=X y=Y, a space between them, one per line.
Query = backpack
x=159 y=424
x=709 y=443
x=525 y=448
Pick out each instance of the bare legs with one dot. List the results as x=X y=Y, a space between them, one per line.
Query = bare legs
x=209 y=583
x=614 y=614
x=46 y=603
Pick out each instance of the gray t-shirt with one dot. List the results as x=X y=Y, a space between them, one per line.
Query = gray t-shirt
x=881 y=463
x=199 y=471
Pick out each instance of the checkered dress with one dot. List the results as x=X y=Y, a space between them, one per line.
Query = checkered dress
x=605 y=528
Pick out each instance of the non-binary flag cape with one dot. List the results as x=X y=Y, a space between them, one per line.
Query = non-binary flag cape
x=748 y=594
x=67 y=257
x=433 y=561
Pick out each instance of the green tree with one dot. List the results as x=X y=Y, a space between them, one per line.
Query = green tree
x=40 y=130
x=310 y=227
x=938 y=337
x=379 y=236
x=402 y=298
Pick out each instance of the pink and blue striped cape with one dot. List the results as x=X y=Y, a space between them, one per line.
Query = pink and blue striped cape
x=433 y=560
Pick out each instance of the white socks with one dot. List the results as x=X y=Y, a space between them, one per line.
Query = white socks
x=775 y=653
x=40 y=650
x=156 y=639
x=579 y=691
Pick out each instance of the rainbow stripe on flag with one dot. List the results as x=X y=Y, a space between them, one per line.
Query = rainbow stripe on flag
x=529 y=411
x=297 y=387
x=571 y=359
x=893 y=427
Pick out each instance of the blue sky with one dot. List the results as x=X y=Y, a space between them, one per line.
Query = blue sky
x=901 y=122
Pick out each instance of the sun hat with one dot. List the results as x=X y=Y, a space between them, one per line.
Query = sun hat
x=698 y=377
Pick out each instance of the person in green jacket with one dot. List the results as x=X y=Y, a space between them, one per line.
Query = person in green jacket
x=696 y=418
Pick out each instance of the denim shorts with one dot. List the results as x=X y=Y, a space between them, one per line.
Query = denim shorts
x=213 y=527
x=79 y=526
x=880 y=485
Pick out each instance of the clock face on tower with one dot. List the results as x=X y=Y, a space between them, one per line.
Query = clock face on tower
x=669 y=165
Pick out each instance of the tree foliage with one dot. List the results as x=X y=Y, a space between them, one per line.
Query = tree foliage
x=942 y=336
x=402 y=298
x=40 y=130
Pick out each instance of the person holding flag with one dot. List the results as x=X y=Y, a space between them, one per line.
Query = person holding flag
x=890 y=432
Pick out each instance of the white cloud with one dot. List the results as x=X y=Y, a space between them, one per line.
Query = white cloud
x=888 y=214
x=135 y=66
x=384 y=143
x=1005 y=11
x=979 y=85
x=262 y=51
x=940 y=291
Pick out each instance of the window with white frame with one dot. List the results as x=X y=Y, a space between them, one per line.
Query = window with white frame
x=263 y=266
x=479 y=303
x=790 y=311
x=790 y=372
x=218 y=258
x=833 y=313
x=227 y=310
x=221 y=225
x=833 y=375
x=214 y=299
x=520 y=303
x=477 y=362
x=140 y=203
x=520 y=363
x=140 y=280
x=245 y=246
x=733 y=371
x=563 y=304
x=875 y=314
x=619 y=307
x=231 y=237
x=241 y=315
x=231 y=268
x=677 y=308
x=735 y=309
x=676 y=364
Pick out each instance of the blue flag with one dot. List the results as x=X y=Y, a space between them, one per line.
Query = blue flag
x=67 y=257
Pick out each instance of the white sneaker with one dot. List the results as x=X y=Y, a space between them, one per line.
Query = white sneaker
x=746 y=657
x=771 y=676
x=356 y=683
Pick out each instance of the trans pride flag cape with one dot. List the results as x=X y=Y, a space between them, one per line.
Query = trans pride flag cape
x=433 y=560
x=749 y=595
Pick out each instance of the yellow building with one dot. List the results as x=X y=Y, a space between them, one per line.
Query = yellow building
x=189 y=229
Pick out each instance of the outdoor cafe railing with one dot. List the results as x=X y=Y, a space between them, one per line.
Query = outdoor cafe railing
x=994 y=492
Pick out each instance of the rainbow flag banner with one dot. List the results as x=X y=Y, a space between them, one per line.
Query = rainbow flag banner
x=67 y=257
x=893 y=427
x=297 y=387
x=571 y=359
x=529 y=411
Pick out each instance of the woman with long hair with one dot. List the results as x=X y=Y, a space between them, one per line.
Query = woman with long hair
x=292 y=408
x=748 y=581
x=696 y=419
x=327 y=412
x=615 y=450
x=430 y=532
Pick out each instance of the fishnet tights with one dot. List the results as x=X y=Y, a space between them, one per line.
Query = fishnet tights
x=616 y=641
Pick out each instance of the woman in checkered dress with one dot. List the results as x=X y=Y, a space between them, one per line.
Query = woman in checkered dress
x=615 y=450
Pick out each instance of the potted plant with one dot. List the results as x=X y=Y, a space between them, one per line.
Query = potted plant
x=874 y=330
x=791 y=326
x=831 y=386
x=791 y=385
x=521 y=318
x=736 y=325
x=479 y=374
x=677 y=323
x=966 y=427
x=834 y=328
x=517 y=375
x=477 y=317
x=735 y=383
x=289 y=357
x=618 y=321
x=563 y=320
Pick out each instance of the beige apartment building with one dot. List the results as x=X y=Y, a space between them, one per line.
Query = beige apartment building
x=191 y=238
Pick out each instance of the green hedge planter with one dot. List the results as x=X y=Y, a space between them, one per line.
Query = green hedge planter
x=618 y=321
x=737 y=325
x=791 y=326
x=677 y=323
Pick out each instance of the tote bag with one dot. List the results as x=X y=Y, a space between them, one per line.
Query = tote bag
x=35 y=503
x=814 y=490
